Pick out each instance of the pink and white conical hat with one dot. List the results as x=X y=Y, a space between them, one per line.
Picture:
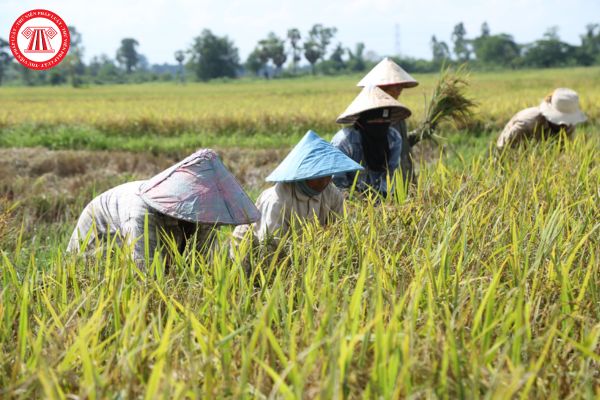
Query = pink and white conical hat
x=200 y=189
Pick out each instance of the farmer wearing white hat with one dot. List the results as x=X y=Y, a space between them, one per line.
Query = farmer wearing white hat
x=370 y=139
x=188 y=200
x=392 y=79
x=302 y=190
x=559 y=111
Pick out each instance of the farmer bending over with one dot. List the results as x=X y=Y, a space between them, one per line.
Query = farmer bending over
x=188 y=200
x=303 y=190
x=558 y=111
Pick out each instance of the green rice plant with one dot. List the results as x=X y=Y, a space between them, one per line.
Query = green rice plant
x=481 y=282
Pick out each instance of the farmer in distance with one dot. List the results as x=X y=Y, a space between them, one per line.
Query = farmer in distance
x=370 y=139
x=558 y=112
x=303 y=190
x=186 y=201
x=392 y=79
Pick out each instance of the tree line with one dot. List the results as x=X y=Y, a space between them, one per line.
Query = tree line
x=315 y=52
x=209 y=57
x=500 y=50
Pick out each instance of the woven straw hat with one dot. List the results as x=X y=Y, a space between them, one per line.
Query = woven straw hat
x=387 y=72
x=371 y=98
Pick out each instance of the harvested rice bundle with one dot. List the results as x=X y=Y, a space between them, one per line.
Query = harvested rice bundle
x=448 y=103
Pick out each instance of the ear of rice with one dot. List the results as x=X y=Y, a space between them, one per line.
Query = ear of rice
x=448 y=103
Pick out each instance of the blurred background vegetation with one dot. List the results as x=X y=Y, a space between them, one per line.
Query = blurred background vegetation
x=294 y=53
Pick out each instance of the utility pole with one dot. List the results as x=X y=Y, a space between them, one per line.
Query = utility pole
x=397 y=47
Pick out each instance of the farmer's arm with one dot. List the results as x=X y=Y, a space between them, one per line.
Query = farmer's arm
x=136 y=235
x=341 y=141
x=411 y=137
x=395 y=142
x=85 y=223
x=273 y=222
x=513 y=133
x=521 y=126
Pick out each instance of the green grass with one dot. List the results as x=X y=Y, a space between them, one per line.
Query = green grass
x=482 y=282
x=83 y=137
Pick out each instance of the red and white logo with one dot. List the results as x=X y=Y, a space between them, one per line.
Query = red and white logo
x=39 y=39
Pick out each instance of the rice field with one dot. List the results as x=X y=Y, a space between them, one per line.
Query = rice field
x=167 y=117
x=481 y=281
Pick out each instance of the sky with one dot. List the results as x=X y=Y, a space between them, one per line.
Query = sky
x=163 y=26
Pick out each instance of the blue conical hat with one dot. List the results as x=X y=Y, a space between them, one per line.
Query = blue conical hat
x=312 y=158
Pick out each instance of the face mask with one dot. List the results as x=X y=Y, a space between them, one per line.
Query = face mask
x=376 y=147
x=307 y=190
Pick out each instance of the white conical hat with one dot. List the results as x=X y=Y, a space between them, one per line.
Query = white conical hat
x=371 y=98
x=387 y=72
x=563 y=108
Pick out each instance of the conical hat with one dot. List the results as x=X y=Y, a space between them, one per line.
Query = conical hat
x=312 y=158
x=371 y=98
x=386 y=73
x=200 y=189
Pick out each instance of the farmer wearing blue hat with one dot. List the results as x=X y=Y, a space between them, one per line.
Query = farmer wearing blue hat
x=369 y=139
x=188 y=200
x=302 y=190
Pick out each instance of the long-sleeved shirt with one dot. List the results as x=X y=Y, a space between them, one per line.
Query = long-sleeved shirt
x=406 y=163
x=279 y=205
x=121 y=212
x=349 y=142
x=528 y=123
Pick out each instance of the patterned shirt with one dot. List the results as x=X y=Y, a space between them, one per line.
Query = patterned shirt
x=349 y=142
